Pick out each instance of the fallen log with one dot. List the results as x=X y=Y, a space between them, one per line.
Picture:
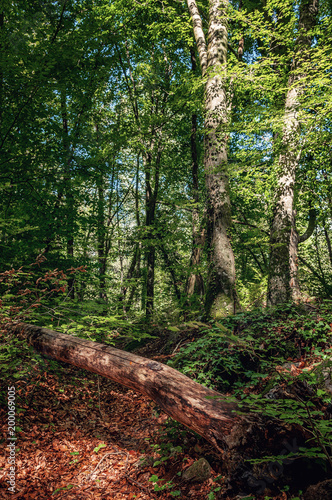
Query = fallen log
x=200 y=409
x=203 y=410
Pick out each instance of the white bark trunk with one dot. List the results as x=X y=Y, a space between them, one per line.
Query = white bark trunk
x=283 y=283
x=220 y=296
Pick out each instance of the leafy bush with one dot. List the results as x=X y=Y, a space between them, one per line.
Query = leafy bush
x=245 y=348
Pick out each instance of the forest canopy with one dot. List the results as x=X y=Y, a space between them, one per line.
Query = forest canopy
x=165 y=223
x=180 y=152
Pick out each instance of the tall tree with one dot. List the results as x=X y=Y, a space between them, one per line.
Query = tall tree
x=283 y=281
x=220 y=290
x=195 y=283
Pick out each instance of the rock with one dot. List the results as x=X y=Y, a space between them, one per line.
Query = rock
x=198 y=472
x=320 y=491
x=327 y=374
x=297 y=389
x=324 y=375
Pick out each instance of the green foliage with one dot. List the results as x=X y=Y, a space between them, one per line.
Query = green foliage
x=166 y=451
x=12 y=354
x=92 y=120
x=168 y=486
x=97 y=448
x=64 y=488
x=244 y=349
x=23 y=295
x=245 y=356
x=109 y=330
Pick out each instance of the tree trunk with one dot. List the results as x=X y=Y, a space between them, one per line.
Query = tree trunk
x=150 y=207
x=134 y=286
x=128 y=279
x=195 y=284
x=68 y=188
x=328 y=242
x=200 y=409
x=283 y=281
x=151 y=252
x=137 y=269
x=220 y=294
x=101 y=233
x=101 y=229
x=171 y=269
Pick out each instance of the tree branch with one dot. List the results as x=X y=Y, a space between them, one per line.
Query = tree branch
x=311 y=226
x=198 y=33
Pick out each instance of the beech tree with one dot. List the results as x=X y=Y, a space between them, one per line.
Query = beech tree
x=220 y=294
x=283 y=279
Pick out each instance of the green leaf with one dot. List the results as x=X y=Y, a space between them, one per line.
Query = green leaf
x=154 y=478
x=173 y=329
x=97 y=448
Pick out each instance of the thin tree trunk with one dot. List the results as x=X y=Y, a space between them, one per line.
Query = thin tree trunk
x=283 y=284
x=195 y=284
x=150 y=252
x=320 y=267
x=102 y=259
x=328 y=242
x=151 y=194
x=127 y=280
x=101 y=229
x=68 y=188
x=171 y=270
x=137 y=276
x=137 y=269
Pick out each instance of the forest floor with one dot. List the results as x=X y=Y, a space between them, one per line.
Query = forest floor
x=81 y=436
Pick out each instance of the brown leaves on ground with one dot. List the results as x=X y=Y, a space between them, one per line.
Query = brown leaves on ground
x=87 y=438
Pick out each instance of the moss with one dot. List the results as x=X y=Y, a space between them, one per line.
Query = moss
x=222 y=306
x=199 y=471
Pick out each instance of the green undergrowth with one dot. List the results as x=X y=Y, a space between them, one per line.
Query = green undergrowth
x=275 y=362
x=33 y=296
x=111 y=329
x=244 y=349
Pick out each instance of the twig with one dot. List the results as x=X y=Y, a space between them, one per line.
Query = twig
x=106 y=455
x=136 y=483
x=178 y=345
x=99 y=397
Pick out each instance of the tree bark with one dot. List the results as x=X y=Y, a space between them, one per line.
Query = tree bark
x=283 y=283
x=150 y=208
x=171 y=269
x=203 y=410
x=101 y=228
x=328 y=243
x=101 y=234
x=220 y=293
x=195 y=284
x=68 y=188
x=152 y=166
